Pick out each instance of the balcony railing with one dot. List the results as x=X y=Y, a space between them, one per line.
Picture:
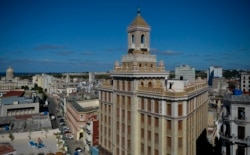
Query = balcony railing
x=240 y=121
x=235 y=140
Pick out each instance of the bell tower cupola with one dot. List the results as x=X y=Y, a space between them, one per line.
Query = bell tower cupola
x=138 y=35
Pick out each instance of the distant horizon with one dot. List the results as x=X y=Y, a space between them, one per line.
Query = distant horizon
x=80 y=36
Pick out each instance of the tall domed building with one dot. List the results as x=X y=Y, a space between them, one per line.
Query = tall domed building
x=142 y=111
x=9 y=74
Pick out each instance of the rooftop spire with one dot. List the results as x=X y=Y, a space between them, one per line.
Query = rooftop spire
x=138 y=10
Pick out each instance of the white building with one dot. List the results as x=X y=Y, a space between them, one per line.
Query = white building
x=235 y=125
x=245 y=82
x=214 y=72
x=185 y=72
x=91 y=77
x=42 y=80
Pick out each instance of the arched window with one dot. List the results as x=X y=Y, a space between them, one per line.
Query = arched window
x=142 y=39
x=142 y=84
x=133 y=39
x=150 y=84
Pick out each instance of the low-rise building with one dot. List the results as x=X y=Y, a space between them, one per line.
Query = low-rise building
x=12 y=106
x=235 y=125
x=79 y=113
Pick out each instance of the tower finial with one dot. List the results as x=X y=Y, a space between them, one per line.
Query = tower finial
x=138 y=10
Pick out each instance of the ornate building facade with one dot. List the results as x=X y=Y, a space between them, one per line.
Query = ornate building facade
x=142 y=111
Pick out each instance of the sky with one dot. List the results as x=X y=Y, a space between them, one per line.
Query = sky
x=90 y=35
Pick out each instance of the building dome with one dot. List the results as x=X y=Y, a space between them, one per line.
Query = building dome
x=9 y=74
x=9 y=70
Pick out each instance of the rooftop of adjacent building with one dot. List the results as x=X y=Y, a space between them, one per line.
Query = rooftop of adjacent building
x=237 y=99
x=6 y=148
x=85 y=105
x=22 y=123
x=18 y=100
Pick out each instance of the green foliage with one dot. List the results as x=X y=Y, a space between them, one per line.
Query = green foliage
x=228 y=74
x=25 y=87
x=11 y=136
x=201 y=74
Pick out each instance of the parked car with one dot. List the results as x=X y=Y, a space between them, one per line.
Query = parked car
x=61 y=120
x=67 y=132
x=69 y=136
x=66 y=127
x=62 y=123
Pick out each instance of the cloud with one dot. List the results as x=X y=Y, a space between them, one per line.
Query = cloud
x=87 y=53
x=49 y=47
x=65 y=53
x=165 y=52
x=243 y=49
x=170 y=53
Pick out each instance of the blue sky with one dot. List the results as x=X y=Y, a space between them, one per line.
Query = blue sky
x=90 y=35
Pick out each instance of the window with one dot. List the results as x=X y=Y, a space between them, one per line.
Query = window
x=149 y=150
x=241 y=113
x=156 y=138
x=117 y=112
x=169 y=109
x=142 y=103
x=142 y=118
x=156 y=152
x=156 y=122
x=180 y=125
x=180 y=110
x=117 y=100
x=169 y=141
x=150 y=84
x=149 y=120
x=142 y=39
x=241 y=132
x=129 y=129
x=180 y=142
x=129 y=86
x=142 y=147
x=133 y=39
x=142 y=133
x=117 y=139
x=123 y=85
x=149 y=105
x=149 y=135
x=156 y=106
x=117 y=84
x=169 y=124
x=142 y=84
x=129 y=116
x=117 y=126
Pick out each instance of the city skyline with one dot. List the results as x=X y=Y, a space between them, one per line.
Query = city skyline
x=80 y=36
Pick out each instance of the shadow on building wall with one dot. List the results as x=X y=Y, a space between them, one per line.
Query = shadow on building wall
x=203 y=147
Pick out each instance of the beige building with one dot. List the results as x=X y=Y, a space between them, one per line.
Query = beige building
x=79 y=113
x=142 y=112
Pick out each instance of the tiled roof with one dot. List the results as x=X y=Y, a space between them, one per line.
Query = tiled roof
x=6 y=148
x=139 y=21
x=14 y=93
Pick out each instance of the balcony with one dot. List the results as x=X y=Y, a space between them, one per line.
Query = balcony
x=88 y=142
x=235 y=140
x=239 y=121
